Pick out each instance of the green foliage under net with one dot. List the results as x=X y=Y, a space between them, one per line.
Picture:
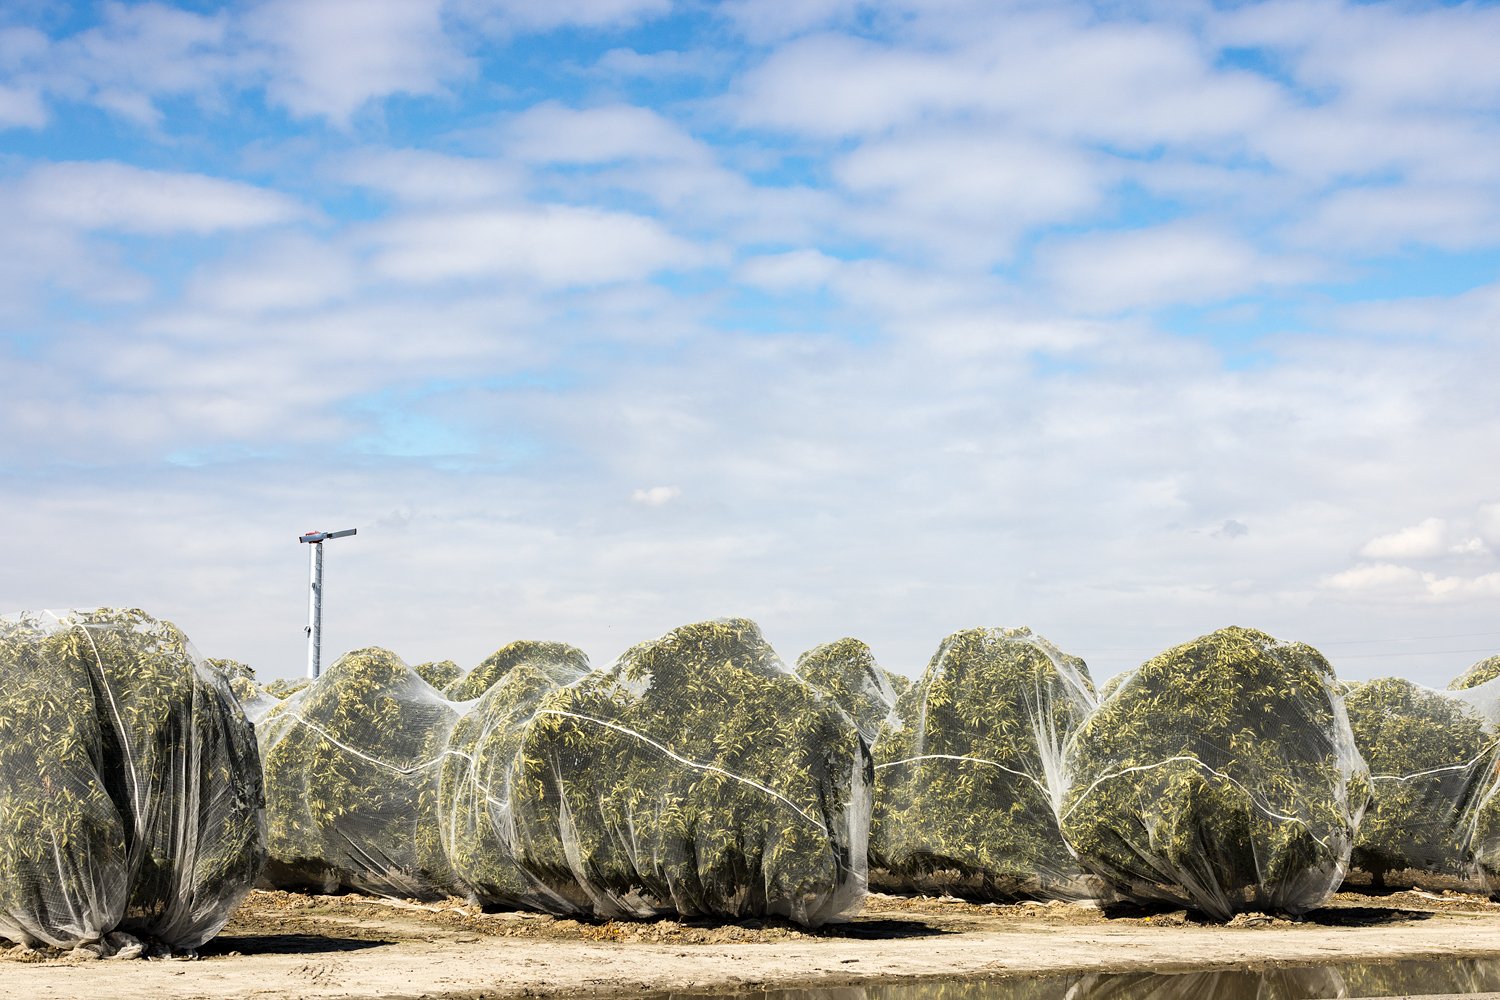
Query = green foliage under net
x=478 y=769
x=351 y=766
x=1429 y=758
x=968 y=772
x=846 y=671
x=439 y=673
x=130 y=786
x=562 y=661
x=1482 y=672
x=697 y=776
x=1220 y=775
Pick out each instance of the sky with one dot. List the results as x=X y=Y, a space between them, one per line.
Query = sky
x=1123 y=322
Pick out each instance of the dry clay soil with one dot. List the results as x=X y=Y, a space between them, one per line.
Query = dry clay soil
x=284 y=945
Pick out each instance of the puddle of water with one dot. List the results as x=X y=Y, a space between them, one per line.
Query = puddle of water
x=1371 y=979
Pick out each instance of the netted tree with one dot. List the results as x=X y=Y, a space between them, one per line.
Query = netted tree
x=351 y=765
x=439 y=673
x=130 y=786
x=846 y=671
x=479 y=769
x=1220 y=775
x=1482 y=672
x=696 y=776
x=1429 y=759
x=563 y=660
x=969 y=770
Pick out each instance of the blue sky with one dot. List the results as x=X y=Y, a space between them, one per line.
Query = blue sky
x=872 y=319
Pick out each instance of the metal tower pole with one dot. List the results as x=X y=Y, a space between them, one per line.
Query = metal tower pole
x=315 y=540
x=315 y=611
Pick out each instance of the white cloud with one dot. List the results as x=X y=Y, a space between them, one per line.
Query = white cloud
x=794 y=270
x=139 y=53
x=1379 y=55
x=662 y=64
x=1175 y=263
x=993 y=187
x=834 y=85
x=117 y=196
x=423 y=177
x=1489 y=523
x=551 y=133
x=656 y=496
x=1379 y=576
x=772 y=20
x=331 y=57
x=1422 y=540
x=1372 y=220
x=288 y=272
x=527 y=15
x=1470 y=547
x=555 y=246
x=21 y=108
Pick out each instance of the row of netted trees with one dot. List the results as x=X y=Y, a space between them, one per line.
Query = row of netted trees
x=699 y=775
x=696 y=776
x=1232 y=772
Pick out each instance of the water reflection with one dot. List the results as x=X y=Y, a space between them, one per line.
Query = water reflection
x=1376 y=979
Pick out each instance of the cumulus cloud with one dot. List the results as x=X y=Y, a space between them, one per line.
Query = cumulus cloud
x=1178 y=263
x=286 y=272
x=552 y=133
x=328 y=58
x=139 y=54
x=1422 y=540
x=21 y=108
x=422 y=176
x=656 y=496
x=118 y=196
x=1489 y=523
x=526 y=16
x=782 y=272
x=554 y=246
x=936 y=184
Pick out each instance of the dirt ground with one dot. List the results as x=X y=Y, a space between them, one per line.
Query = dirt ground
x=282 y=945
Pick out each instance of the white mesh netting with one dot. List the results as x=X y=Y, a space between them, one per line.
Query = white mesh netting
x=1220 y=775
x=700 y=776
x=351 y=769
x=1432 y=766
x=130 y=786
x=969 y=771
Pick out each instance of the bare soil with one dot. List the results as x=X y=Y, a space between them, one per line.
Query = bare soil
x=284 y=945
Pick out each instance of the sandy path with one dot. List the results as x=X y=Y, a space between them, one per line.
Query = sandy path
x=368 y=950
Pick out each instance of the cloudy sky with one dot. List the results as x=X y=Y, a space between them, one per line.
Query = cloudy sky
x=876 y=319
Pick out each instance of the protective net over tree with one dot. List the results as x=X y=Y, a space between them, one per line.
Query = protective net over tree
x=969 y=772
x=1220 y=775
x=846 y=671
x=439 y=673
x=1479 y=687
x=1429 y=760
x=254 y=699
x=1482 y=672
x=698 y=775
x=130 y=788
x=562 y=662
x=475 y=790
x=351 y=765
